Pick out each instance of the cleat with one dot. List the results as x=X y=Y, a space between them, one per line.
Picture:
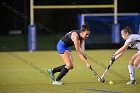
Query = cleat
x=57 y=83
x=51 y=74
x=131 y=82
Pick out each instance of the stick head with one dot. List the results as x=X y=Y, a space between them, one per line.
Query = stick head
x=101 y=80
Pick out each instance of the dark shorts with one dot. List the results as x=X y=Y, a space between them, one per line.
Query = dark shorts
x=61 y=47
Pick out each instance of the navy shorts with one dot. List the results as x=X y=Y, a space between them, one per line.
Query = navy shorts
x=61 y=47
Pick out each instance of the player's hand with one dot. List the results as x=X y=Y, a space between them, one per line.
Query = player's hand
x=88 y=66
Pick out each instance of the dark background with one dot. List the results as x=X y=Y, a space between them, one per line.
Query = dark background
x=15 y=15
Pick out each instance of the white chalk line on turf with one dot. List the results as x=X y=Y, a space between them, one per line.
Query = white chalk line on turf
x=16 y=70
x=35 y=67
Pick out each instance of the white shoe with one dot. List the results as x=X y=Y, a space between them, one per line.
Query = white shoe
x=51 y=74
x=131 y=82
x=57 y=83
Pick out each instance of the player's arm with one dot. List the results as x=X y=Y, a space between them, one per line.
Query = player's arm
x=81 y=43
x=76 y=41
x=118 y=53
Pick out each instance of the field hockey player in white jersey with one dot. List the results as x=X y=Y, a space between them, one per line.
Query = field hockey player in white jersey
x=133 y=41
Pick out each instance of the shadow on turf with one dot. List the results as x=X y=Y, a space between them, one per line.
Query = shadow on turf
x=98 y=90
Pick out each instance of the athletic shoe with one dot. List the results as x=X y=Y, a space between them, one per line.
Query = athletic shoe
x=57 y=83
x=51 y=74
x=131 y=82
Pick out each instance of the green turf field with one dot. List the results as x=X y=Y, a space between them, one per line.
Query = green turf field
x=24 y=72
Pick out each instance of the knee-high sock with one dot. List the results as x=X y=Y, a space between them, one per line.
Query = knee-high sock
x=131 y=72
x=58 y=69
x=63 y=72
x=138 y=66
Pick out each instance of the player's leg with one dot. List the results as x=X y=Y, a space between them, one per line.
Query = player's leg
x=58 y=69
x=54 y=70
x=61 y=48
x=68 y=61
x=65 y=54
x=137 y=61
x=131 y=69
x=69 y=65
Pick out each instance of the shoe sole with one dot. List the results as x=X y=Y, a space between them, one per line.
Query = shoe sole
x=58 y=84
x=131 y=84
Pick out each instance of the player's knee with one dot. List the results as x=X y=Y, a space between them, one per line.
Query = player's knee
x=137 y=65
x=131 y=62
x=69 y=66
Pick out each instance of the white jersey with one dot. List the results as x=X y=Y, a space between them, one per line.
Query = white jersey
x=134 y=41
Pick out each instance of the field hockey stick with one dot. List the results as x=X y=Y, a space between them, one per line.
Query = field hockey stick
x=105 y=71
x=111 y=61
x=99 y=79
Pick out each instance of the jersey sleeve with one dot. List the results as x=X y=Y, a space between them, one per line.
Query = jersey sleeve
x=129 y=40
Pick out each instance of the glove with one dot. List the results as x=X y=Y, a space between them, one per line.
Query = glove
x=112 y=59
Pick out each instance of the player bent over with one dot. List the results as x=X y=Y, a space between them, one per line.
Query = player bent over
x=133 y=41
x=75 y=38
